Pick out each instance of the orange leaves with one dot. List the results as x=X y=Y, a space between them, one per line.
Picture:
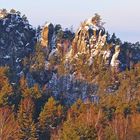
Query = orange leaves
x=33 y=92
x=8 y=124
x=5 y=87
x=27 y=127
x=51 y=114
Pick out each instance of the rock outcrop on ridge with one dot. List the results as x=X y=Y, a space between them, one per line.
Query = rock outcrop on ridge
x=62 y=59
x=91 y=42
x=92 y=39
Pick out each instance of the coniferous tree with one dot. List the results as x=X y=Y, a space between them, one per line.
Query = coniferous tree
x=50 y=117
x=27 y=126
x=8 y=124
x=5 y=88
x=34 y=91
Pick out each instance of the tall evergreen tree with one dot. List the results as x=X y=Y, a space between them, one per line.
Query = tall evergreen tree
x=27 y=126
x=5 y=88
x=8 y=124
x=50 y=117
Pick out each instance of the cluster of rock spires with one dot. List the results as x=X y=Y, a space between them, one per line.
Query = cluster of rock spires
x=18 y=39
x=53 y=38
x=91 y=38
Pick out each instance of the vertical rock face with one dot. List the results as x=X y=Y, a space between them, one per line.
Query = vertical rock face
x=91 y=35
x=114 y=61
x=47 y=35
x=17 y=40
x=53 y=37
x=44 y=36
x=91 y=39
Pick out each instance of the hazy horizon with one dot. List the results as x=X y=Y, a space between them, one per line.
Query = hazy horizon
x=121 y=17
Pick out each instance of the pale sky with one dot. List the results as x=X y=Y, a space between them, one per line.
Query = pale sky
x=121 y=16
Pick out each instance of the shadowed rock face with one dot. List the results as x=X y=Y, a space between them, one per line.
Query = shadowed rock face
x=17 y=40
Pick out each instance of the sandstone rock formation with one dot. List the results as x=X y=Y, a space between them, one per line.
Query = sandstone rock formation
x=92 y=39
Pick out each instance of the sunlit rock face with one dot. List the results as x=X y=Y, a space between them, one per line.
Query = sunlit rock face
x=90 y=35
x=54 y=37
x=92 y=39
x=47 y=36
x=17 y=40
x=114 y=61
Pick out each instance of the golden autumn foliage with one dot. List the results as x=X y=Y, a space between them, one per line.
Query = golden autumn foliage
x=5 y=87
x=50 y=115
x=114 y=117
x=27 y=127
x=8 y=124
x=33 y=92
